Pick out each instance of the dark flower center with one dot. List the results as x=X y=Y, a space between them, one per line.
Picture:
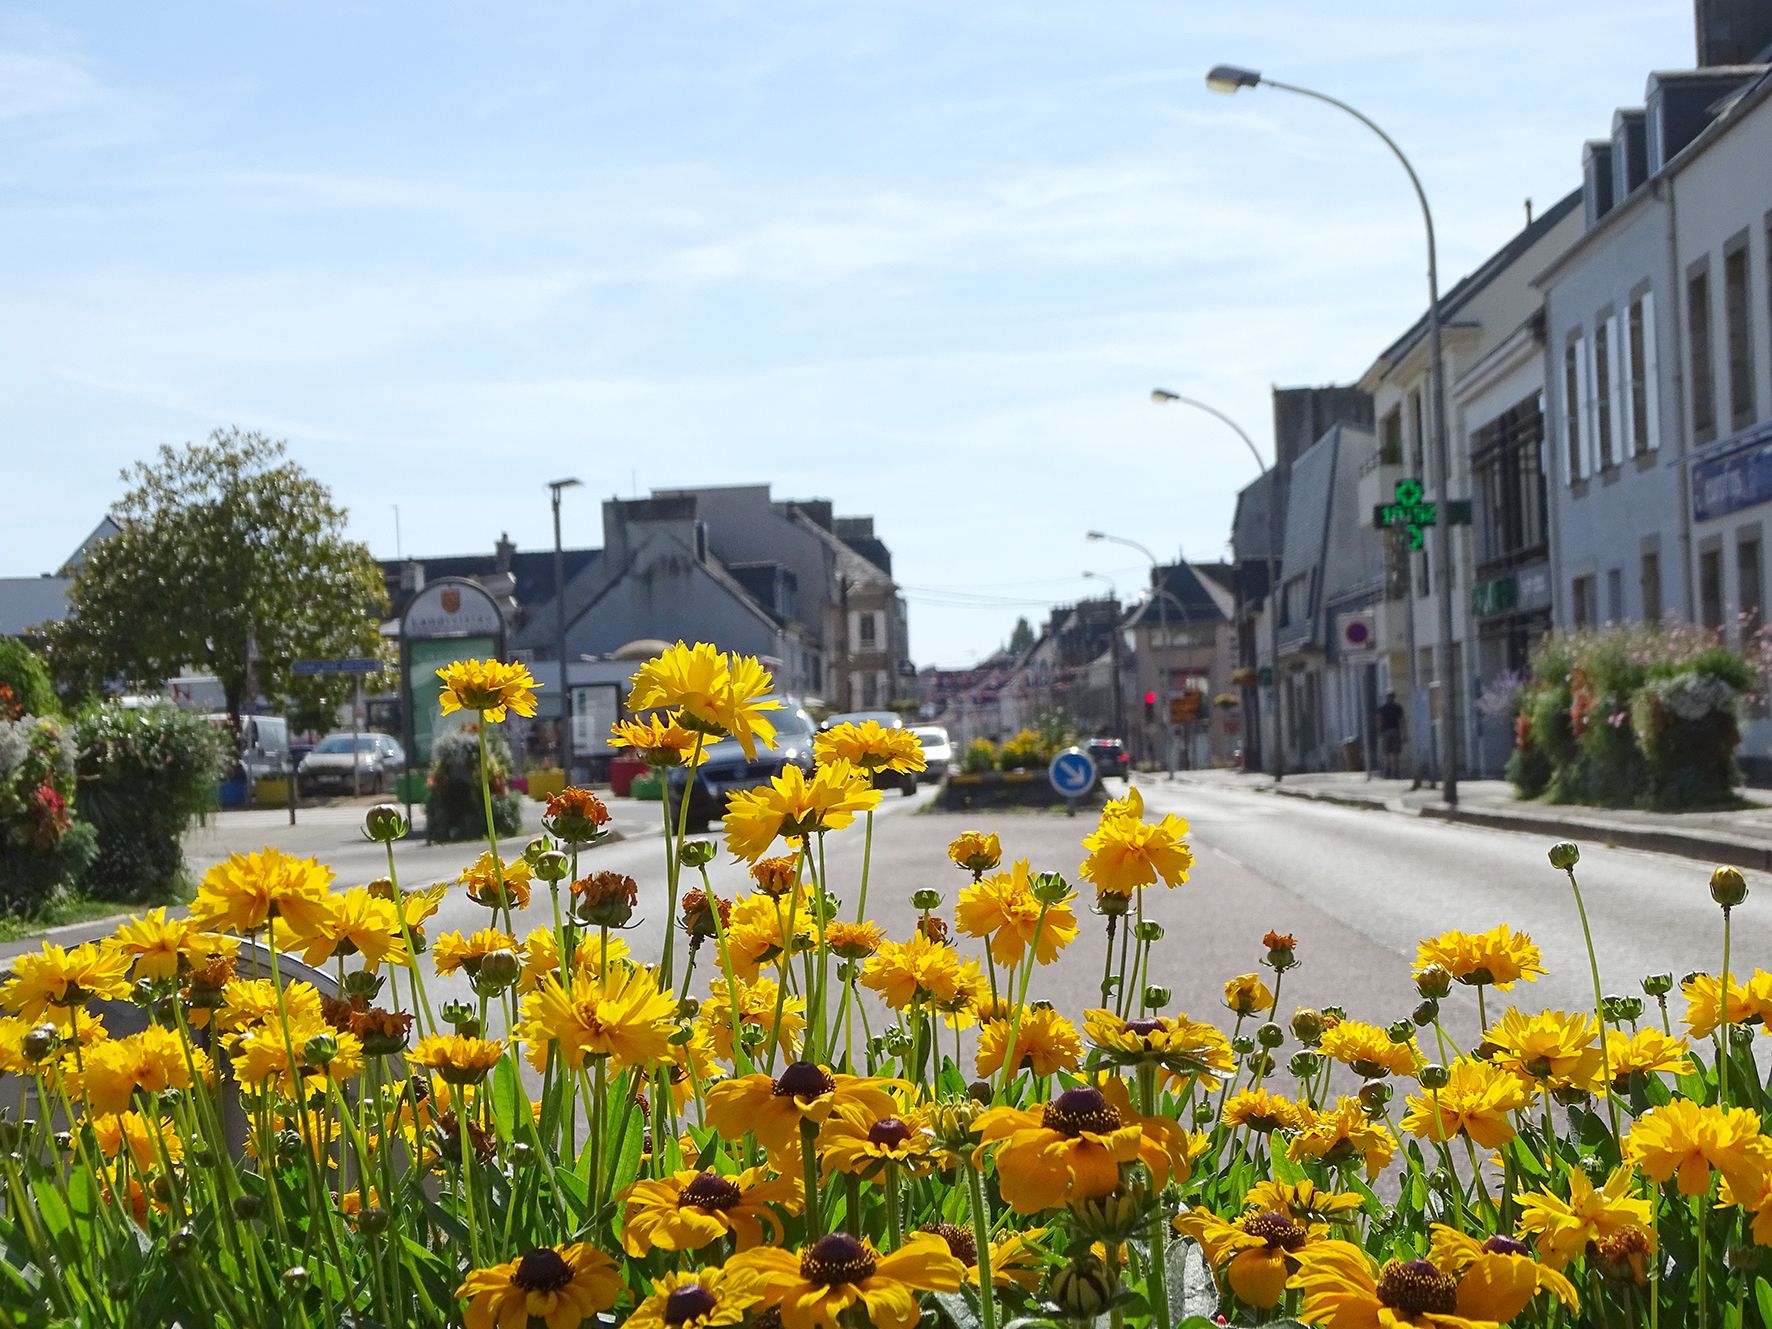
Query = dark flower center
x=961 y=1244
x=1276 y=1229
x=688 y=1302
x=838 y=1258
x=1500 y=1245
x=711 y=1192
x=888 y=1132
x=1143 y=1028
x=1415 y=1287
x=542 y=1270
x=804 y=1080
x=1078 y=1110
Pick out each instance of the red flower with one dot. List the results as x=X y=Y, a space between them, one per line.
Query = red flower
x=49 y=816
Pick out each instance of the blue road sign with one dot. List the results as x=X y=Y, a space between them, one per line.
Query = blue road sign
x=307 y=668
x=1072 y=772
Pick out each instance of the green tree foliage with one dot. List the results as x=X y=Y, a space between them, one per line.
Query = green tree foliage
x=25 y=683
x=1022 y=637
x=222 y=543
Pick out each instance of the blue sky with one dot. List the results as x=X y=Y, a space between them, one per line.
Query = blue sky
x=923 y=259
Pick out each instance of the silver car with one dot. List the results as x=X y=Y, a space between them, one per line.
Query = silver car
x=938 y=752
x=342 y=764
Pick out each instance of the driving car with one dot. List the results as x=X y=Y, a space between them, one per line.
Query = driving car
x=377 y=758
x=727 y=770
x=1111 y=758
x=938 y=751
x=903 y=781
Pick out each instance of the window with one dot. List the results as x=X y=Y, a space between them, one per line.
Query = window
x=1749 y=592
x=1418 y=439
x=1641 y=389
x=1710 y=588
x=1651 y=586
x=867 y=637
x=1390 y=438
x=1582 y=601
x=1704 y=387
x=1740 y=345
x=1507 y=475
x=1604 y=453
x=1615 y=595
x=1574 y=394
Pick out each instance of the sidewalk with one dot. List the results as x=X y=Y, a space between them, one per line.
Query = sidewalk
x=1742 y=838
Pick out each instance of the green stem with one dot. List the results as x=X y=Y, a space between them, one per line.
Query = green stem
x=1723 y=1008
x=809 y=1168
x=1021 y=996
x=1159 y=1274
x=1593 y=965
x=1701 y=1271
x=981 y=1240
x=867 y=852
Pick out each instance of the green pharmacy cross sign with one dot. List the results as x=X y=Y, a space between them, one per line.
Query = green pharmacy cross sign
x=1408 y=510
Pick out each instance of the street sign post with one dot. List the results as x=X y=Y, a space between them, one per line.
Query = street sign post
x=309 y=668
x=1071 y=774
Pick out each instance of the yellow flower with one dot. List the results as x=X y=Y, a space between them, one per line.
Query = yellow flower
x=496 y=884
x=916 y=972
x=1649 y=1051
x=452 y=951
x=262 y=1058
x=1303 y=1201
x=1262 y=1112
x=703 y=1299
x=489 y=687
x=144 y=1138
x=116 y=1068
x=1704 y=1012
x=1497 y=1278
x=620 y=1015
x=853 y=941
x=1685 y=1140
x=1341 y=1289
x=1073 y=1147
x=773 y=1109
x=247 y=891
x=714 y=693
x=1255 y=1254
x=1247 y=995
x=1562 y=1229
x=356 y=923
x=1183 y=1046
x=976 y=851
x=1003 y=908
x=660 y=742
x=251 y=1002
x=793 y=805
x=861 y=1139
x=870 y=747
x=1127 y=853
x=688 y=1210
x=562 y=1286
x=1046 y=1042
x=1549 y=1050
x=1500 y=956
x=1368 y=1051
x=818 y=1287
x=756 y=1005
x=457 y=1058
x=1343 y=1134
x=1475 y=1101
x=92 y=971
x=162 y=947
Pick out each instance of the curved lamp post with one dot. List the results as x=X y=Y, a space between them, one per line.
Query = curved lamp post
x=554 y=488
x=1231 y=79
x=1157 y=593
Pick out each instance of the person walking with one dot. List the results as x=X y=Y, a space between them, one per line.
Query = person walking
x=1390 y=737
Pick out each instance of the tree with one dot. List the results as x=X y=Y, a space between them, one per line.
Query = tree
x=1022 y=637
x=224 y=546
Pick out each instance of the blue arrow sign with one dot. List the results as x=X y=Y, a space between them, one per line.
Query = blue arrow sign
x=308 y=668
x=1072 y=772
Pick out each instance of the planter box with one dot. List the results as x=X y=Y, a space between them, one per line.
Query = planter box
x=1005 y=789
x=271 y=792
x=545 y=782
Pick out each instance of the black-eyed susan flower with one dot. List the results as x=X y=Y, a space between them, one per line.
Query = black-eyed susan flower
x=976 y=851
x=1182 y=1046
x=246 y=891
x=1563 y=1229
x=841 y=1280
x=689 y=1210
x=1342 y=1136
x=660 y=742
x=1303 y=1200
x=1548 y=1050
x=490 y=687
x=1127 y=853
x=702 y=1299
x=1368 y=1050
x=862 y=1141
x=1497 y=1276
x=773 y=1108
x=870 y=747
x=1255 y=1253
x=56 y=978
x=1339 y=1286
x=456 y=1057
x=562 y=1286
x=1262 y=1111
x=1478 y=1100
x=794 y=805
x=1004 y=911
x=1684 y=1141
x=1045 y=1043
x=620 y=1015
x=1017 y=1259
x=1500 y=957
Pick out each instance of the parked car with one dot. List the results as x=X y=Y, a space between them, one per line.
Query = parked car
x=905 y=782
x=727 y=770
x=1111 y=758
x=938 y=752
x=376 y=759
x=261 y=745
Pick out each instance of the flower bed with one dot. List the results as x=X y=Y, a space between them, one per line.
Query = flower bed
x=778 y=1121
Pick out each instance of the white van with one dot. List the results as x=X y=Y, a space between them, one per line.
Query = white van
x=264 y=743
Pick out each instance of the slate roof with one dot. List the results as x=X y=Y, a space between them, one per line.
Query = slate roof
x=27 y=603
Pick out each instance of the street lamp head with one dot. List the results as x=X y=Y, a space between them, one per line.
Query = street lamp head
x=1161 y=395
x=558 y=485
x=1094 y=535
x=1231 y=78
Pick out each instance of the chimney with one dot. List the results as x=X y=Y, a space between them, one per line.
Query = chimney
x=1732 y=32
x=504 y=549
x=412 y=577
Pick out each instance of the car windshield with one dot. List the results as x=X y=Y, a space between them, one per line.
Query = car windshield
x=342 y=743
x=931 y=738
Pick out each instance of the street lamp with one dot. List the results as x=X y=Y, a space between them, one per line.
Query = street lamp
x=1232 y=78
x=554 y=488
x=1162 y=396
x=1119 y=697
x=1157 y=593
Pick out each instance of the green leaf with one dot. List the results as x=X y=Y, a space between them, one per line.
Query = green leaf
x=507 y=1097
x=1763 y=1299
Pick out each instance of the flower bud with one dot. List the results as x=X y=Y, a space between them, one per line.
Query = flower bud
x=1307 y=1026
x=182 y=1242
x=40 y=1041
x=1570 y=1096
x=1621 y=1010
x=383 y=888
x=363 y=983
x=1280 y=951
x=1425 y=1014
x=1564 y=855
x=1242 y=1045
x=980 y=1091
x=1049 y=888
x=1155 y=997
x=1261 y=1064
x=1658 y=985
x=1204 y=1114
x=1374 y=1095
x=1111 y=904
x=247 y=1206
x=1113 y=1217
x=498 y=970
x=552 y=866
x=1400 y=1031
x=697 y=853
x=934 y=927
x=459 y=1013
x=1434 y=1076
x=952 y=1120
x=1270 y=1035
x=1440 y=1180
x=384 y=823
x=1149 y=930
x=926 y=899
x=295 y=1277
x=374 y=1219
x=1083 y=1289
x=319 y=1050
x=1727 y=886
x=1304 y=1065
x=1333 y=1015
x=1433 y=981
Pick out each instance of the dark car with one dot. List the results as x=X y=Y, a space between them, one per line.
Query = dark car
x=1111 y=758
x=903 y=781
x=341 y=763
x=727 y=770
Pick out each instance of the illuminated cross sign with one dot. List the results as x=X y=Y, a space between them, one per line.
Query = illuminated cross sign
x=1408 y=510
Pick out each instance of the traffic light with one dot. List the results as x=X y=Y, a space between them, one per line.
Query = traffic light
x=1150 y=706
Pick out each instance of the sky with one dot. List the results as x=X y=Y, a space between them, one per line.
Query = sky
x=923 y=259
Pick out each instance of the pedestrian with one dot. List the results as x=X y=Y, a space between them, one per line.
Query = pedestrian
x=1390 y=738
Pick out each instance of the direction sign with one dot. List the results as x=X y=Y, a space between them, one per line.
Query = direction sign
x=1072 y=773
x=308 y=668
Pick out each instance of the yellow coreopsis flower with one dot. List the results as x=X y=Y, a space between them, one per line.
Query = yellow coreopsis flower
x=621 y=1015
x=660 y=742
x=1562 y=1229
x=1004 y=910
x=456 y=1057
x=870 y=747
x=1342 y=1135
x=713 y=693
x=976 y=851
x=793 y=805
x=1649 y=1051
x=756 y=1006
x=562 y=1286
x=816 y=1288
x=1704 y=1003
x=1368 y=1050
x=1475 y=1101
x=496 y=884
x=1126 y=853
x=150 y=1062
x=143 y=1138
x=1046 y=1043
x=1247 y=995
x=356 y=923
x=56 y=977
x=162 y=947
x=1549 y=1050
x=247 y=891
x=1262 y=1111
x=490 y=687
x=321 y=1053
x=916 y=972
x=1500 y=956
x=1684 y=1141
x=453 y=951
